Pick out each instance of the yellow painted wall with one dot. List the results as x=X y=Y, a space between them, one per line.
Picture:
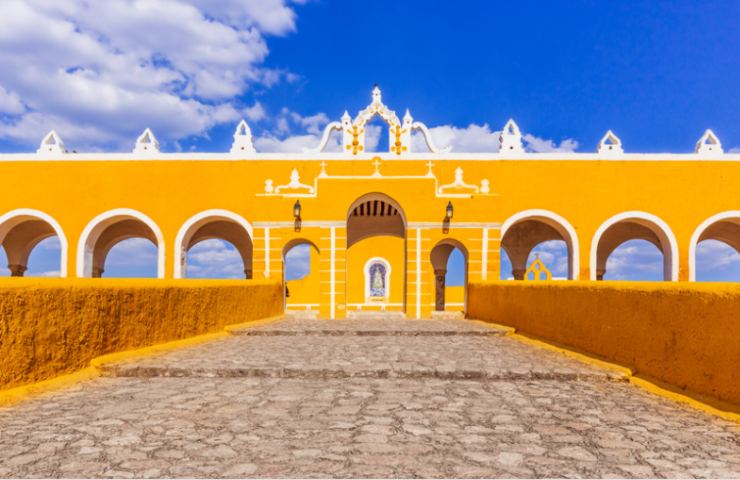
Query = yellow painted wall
x=388 y=248
x=50 y=327
x=687 y=335
x=584 y=192
x=306 y=291
x=454 y=295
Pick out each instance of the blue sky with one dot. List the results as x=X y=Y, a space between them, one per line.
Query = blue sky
x=657 y=73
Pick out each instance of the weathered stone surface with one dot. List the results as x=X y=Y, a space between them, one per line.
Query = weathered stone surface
x=363 y=426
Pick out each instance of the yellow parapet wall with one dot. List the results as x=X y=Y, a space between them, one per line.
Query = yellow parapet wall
x=50 y=327
x=686 y=335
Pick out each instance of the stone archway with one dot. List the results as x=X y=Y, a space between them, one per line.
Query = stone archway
x=723 y=227
x=21 y=230
x=525 y=230
x=439 y=257
x=110 y=228
x=376 y=228
x=214 y=224
x=634 y=226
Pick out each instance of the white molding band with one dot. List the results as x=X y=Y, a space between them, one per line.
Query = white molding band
x=670 y=257
x=730 y=214
x=317 y=157
x=558 y=223
x=484 y=256
x=192 y=224
x=7 y=223
x=332 y=272
x=86 y=244
x=418 y=273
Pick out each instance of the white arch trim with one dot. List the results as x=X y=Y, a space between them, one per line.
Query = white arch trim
x=672 y=254
x=728 y=215
x=366 y=270
x=196 y=221
x=533 y=214
x=7 y=222
x=92 y=232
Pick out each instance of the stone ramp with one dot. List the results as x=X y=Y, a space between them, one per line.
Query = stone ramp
x=368 y=348
x=219 y=415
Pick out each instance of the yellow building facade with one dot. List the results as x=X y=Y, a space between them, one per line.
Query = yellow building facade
x=380 y=225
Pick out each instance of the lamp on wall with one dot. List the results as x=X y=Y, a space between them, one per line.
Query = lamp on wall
x=450 y=210
x=297 y=215
x=297 y=210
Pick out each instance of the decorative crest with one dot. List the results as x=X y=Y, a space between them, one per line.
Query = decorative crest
x=709 y=143
x=52 y=143
x=458 y=185
x=242 y=139
x=353 y=131
x=610 y=144
x=511 y=138
x=538 y=269
x=146 y=143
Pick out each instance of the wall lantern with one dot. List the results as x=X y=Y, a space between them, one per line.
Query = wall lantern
x=450 y=210
x=297 y=210
x=297 y=216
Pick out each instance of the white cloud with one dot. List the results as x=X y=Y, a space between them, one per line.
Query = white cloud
x=734 y=150
x=635 y=260
x=544 y=145
x=298 y=262
x=100 y=72
x=129 y=253
x=473 y=138
x=716 y=255
x=214 y=258
x=293 y=132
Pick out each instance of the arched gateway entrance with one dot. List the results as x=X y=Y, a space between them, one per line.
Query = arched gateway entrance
x=376 y=255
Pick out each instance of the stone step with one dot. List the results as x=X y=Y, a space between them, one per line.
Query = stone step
x=375 y=315
x=301 y=314
x=448 y=315
x=125 y=371
x=371 y=327
x=365 y=333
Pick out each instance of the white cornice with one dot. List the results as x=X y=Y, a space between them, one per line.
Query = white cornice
x=384 y=156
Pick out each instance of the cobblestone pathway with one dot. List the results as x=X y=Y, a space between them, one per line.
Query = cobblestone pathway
x=362 y=398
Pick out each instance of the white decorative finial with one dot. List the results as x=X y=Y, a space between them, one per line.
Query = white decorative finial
x=407 y=118
x=377 y=96
x=52 y=143
x=511 y=138
x=242 y=139
x=709 y=143
x=146 y=143
x=610 y=144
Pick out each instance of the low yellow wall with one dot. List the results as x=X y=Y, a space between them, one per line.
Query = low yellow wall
x=50 y=327
x=687 y=335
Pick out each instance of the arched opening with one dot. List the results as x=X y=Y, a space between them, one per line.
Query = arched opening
x=376 y=230
x=617 y=232
x=714 y=252
x=33 y=244
x=214 y=244
x=301 y=275
x=538 y=232
x=112 y=229
x=450 y=262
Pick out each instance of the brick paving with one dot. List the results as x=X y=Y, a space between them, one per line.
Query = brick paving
x=307 y=398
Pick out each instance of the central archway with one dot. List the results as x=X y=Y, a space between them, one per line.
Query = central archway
x=376 y=254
